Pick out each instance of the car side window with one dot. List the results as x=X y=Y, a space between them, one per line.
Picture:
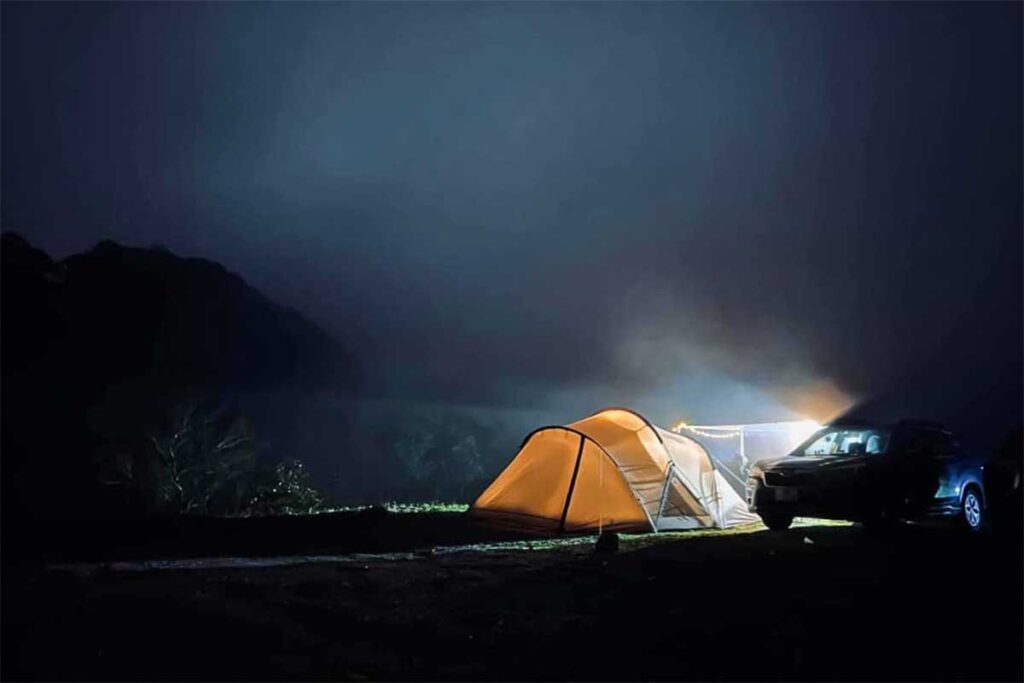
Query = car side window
x=927 y=443
x=914 y=443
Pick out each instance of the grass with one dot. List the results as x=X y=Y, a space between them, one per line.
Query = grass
x=403 y=508
x=571 y=543
x=627 y=541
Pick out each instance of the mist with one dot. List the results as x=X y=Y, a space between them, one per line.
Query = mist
x=717 y=212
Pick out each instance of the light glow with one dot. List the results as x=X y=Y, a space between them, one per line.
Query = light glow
x=798 y=430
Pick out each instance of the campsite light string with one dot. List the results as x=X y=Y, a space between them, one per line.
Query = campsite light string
x=709 y=435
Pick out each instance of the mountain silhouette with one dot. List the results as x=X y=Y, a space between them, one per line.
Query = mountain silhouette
x=99 y=346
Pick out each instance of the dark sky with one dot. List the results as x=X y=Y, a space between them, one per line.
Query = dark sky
x=699 y=209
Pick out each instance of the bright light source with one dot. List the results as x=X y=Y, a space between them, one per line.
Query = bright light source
x=802 y=429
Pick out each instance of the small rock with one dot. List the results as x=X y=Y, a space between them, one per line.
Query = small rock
x=808 y=541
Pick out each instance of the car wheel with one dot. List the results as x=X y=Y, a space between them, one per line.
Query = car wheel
x=777 y=522
x=972 y=510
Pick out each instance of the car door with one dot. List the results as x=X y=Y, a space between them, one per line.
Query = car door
x=877 y=480
x=918 y=468
x=951 y=470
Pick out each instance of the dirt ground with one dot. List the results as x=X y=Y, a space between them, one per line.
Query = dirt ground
x=813 y=603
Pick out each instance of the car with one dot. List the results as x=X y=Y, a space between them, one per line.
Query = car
x=875 y=474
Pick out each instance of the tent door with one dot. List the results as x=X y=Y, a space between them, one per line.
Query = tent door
x=694 y=521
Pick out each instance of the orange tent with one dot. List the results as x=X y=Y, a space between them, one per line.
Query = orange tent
x=612 y=470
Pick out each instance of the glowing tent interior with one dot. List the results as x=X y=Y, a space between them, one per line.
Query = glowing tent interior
x=612 y=470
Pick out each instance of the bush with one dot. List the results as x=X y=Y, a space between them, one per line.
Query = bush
x=204 y=461
x=288 y=491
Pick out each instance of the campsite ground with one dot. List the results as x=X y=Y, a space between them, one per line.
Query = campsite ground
x=817 y=602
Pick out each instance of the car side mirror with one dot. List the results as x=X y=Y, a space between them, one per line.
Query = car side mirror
x=857 y=449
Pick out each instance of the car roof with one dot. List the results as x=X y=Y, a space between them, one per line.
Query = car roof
x=902 y=424
x=856 y=424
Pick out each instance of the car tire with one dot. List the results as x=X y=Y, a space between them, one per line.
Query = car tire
x=972 y=510
x=777 y=522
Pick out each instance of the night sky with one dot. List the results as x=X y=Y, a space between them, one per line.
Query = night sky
x=709 y=211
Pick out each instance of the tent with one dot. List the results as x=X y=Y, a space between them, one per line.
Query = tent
x=612 y=470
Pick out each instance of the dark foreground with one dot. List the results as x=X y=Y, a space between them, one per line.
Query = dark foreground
x=814 y=603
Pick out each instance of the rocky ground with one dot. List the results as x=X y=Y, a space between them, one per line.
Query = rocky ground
x=813 y=603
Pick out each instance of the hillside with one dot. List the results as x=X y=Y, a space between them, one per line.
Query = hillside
x=99 y=346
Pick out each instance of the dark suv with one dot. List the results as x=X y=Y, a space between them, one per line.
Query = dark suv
x=871 y=473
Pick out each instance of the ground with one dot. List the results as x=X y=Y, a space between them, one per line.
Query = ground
x=819 y=602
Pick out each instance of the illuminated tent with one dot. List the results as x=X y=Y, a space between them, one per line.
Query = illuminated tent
x=612 y=470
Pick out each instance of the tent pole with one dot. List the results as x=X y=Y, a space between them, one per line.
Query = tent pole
x=664 y=493
x=572 y=485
